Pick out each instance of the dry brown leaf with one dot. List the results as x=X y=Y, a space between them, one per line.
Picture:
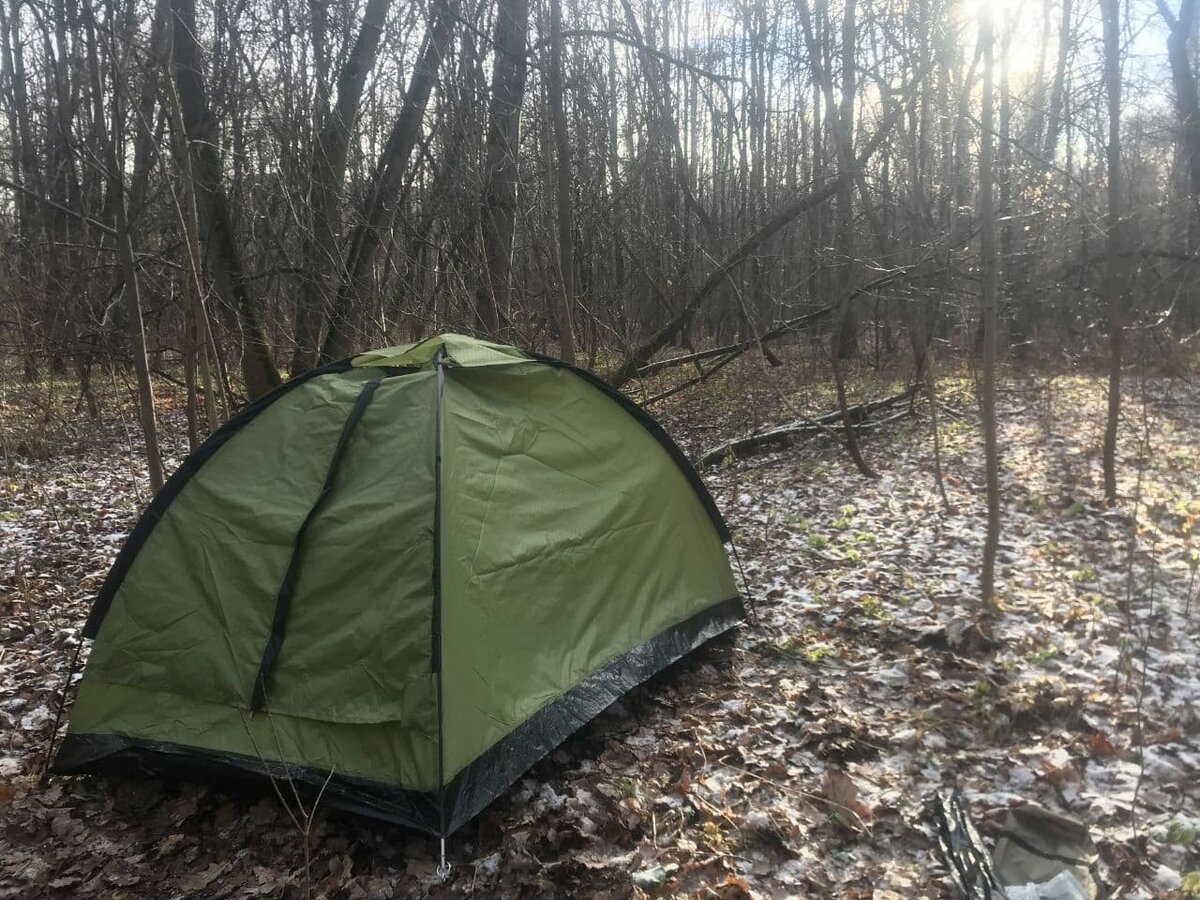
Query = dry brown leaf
x=733 y=888
x=198 y=881
x=1166 y=736
x=1102 y=747
x=1058 y=774
x=840 y=790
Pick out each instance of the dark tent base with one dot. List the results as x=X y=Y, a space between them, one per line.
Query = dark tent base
x=466 y=795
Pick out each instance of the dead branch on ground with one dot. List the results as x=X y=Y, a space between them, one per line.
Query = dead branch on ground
x=783 y=435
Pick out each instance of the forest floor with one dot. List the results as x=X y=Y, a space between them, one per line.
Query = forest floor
x=790 y=759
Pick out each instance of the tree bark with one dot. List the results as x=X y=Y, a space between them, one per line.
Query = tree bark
x=565 y=313
x=989 y=265
x=336 y=127
x=499 y=213
x=224 y=257
x=384 y=188
x=1115 y=282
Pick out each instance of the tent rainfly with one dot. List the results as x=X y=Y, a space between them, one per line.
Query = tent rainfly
x=404 y=577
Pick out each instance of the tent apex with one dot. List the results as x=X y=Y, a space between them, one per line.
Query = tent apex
x=461 y=350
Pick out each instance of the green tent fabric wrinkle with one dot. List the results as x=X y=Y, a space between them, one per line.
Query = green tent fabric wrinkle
x=283 y=598
x=419 y=570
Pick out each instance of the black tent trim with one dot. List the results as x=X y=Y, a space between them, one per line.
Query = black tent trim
x=651 y=425
x=467 y=794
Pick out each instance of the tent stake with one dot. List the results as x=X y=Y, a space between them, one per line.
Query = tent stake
x=443 y=869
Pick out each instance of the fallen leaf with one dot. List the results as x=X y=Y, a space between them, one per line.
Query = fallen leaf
x=648 y=879
x=1165 y=736
x=198 y=881
x=840 y=790
x=1057 y=771
x=1102 y=747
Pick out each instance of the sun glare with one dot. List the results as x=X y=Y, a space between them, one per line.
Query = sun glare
x=1018 y=27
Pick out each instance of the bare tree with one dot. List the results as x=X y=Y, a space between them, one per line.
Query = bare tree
x=109 y=142
x=841 y=119
x=1116 y=224
x=691 y=177
x=989 y=301
x=1054 y=116
x=335 y=130
x=1187 y=101
x=217 y=234
x=797 y=206
x=1187 y=114
x=385 y=187
x=499 y=213
x=564 y=313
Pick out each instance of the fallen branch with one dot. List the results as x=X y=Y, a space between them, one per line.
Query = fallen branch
x=730 y=352
x=783 y=434
x=742 y=346
x=704 y=375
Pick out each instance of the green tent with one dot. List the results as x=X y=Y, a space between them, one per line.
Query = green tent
x=419 y=570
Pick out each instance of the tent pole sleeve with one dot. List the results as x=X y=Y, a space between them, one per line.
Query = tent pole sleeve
x=439 y=362
x=177 y=482
x=287 y=588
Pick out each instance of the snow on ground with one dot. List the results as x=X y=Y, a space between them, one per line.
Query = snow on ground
x=788 y=760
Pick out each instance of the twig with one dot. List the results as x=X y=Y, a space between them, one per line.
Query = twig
x=1143 y=454
x=930 y=386
x=788 y=789
x=301 y=818
x=58 y=207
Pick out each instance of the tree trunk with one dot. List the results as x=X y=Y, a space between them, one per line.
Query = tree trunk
x=989 y=264
x=1035 y=123
x=322 y=260
x=25 y=168
x=185 y=210
x=133 y=306
x=224 y=257
x=565 y=313
x=840 y=116
x=1187 y=111
x=1115 y=285
x=498 y=221
x=1187 y=104
x=1054 y=117
x=384 y=189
